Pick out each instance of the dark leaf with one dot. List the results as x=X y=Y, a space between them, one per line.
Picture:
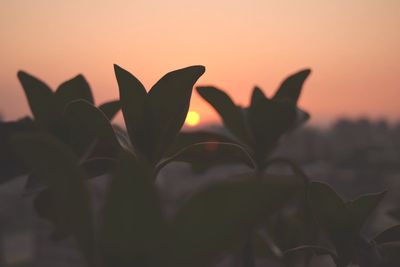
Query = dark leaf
x=231 y=114
x=318 y=250
x=123 y=138
x=290 y=89
x=394 y=213
x=211 y=154
x=219 y=217
x=389 y=235
x=40 y=98
x=185 y=139
x=46 y=208
x=266 y=248
x=337 y=220
x=93 y=167
x=110 y=108
x=367 y=254
x=58 y=168
x=89 y=124
x=11 y=165
x=268 y=121
x=360 y=208
x=342 y=221
x=169 y=101
x=329 y=210
x=302 y=117
x=133 y=98
x=294 y=166
x=74 y=89
x=390 y=253
x=257 y=95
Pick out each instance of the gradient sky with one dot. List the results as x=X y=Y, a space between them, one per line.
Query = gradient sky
x=353 y=48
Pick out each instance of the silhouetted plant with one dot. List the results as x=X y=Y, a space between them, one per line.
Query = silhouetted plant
x=256 y=129
x=47 y=108
x=342 y=222
x=71 y=140
x=10 y=165
x=259 y=126
x=134 y=231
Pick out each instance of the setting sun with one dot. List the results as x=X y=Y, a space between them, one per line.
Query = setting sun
x=192 y=118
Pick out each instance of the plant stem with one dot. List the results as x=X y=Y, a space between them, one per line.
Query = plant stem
x=248 y=252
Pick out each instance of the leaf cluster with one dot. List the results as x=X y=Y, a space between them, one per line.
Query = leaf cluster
x=256 y=214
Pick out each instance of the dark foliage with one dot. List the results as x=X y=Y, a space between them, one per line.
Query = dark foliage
x=286 y=219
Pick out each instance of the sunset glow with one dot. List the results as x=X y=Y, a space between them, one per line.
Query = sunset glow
x=192 y=118
x=352 y=48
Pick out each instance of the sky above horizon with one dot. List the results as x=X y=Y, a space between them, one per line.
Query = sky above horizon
x=352 y=47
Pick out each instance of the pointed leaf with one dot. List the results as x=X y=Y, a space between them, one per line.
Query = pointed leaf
x=391 y=234
x=74 y=89
x=329 y=210
x=89 y=124
x=133 y=223
x=58 y=168
x=231 y=114
x=133 y=98
x=257 y=95
x=40 y=98
x=290 y=89
x=110 y=108
x=169 y=101
x=360 y=208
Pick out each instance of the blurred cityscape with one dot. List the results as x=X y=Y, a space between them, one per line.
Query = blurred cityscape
x=354 y=156
x=362 y=154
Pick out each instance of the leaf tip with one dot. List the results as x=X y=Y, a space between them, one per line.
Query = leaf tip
x=202 y=89
x=23 y=75
x=200 y=69
x=305 y=72
x=118 y=69
x=79 y=77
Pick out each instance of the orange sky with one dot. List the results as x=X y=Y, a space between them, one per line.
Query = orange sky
x=352 y=46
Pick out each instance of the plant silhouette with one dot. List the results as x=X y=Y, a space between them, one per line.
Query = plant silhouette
x=257 y=130
x=287 y=219
x=47 y=108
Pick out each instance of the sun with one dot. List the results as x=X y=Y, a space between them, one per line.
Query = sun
x=192 y=118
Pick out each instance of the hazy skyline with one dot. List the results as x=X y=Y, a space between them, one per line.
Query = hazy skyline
x=353 y=48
